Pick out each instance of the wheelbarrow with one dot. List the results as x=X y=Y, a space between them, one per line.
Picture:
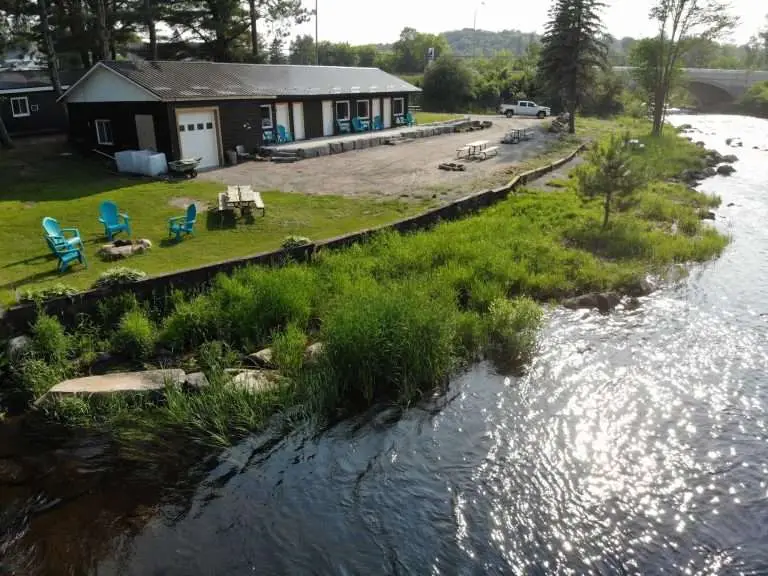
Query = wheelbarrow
x=186 y=167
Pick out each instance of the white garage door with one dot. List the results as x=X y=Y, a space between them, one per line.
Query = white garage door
x=198 y=137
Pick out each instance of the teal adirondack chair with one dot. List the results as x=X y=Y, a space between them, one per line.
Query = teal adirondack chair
x=54 y=230
x=343 y=126
x=409 y=119
x=268 y=137
x=179 y=225
x=283 y=135
x=360 y=125
x=110 y=217
x=66 y=253
x=377 y=124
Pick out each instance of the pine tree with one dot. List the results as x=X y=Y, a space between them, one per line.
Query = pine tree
x=572 y=50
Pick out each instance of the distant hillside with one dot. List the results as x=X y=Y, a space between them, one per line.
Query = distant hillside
x=467 y=42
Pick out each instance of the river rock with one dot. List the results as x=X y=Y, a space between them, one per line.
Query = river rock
x=632 y=304
x=641 y=287
x=684 y=127
x=263 y=358
x=313 y=353
x=709 y=171
x=604 y=301
x=120 y=382
x=254 y=380
x=11 y=472
x=18 y=346
x=700 y=144
x=713 y=158
x=708 y=215
x=725 y=169
x=692 y=177
x=730 y=158
x=196 y=381
x=731 y=204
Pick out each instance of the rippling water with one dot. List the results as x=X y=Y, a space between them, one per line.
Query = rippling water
x=637 y=443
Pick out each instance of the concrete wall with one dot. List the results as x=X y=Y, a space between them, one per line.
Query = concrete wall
x=18 y=319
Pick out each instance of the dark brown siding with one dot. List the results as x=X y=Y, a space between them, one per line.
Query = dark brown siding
x=313 y=119
x=82 y=124
x=48 y=117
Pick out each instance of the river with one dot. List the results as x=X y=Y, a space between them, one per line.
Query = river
x=636 y=443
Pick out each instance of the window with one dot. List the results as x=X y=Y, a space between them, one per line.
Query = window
x=190 y=127
x=200 y=126
x=104 y=132
x=34 y=108
x=20 y=106
x=209 y=125
x=363 y=109
x=266 y=116
x=398 y=106
x=342 y=110
x=182 y=127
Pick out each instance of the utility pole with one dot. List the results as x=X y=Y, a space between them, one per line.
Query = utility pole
x=474 y=31
x=317 y=47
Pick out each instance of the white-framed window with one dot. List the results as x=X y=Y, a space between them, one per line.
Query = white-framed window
x=342 y=110
x=20 y=106
x=104 y=132
x=266 y=116
x=363 y=109
x=398 y=106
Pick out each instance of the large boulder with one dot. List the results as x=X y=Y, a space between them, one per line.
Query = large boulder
x=640 y=287
x=263 y=358
x=730 y=158
x=725 y=169
x=603 y=301
x=17 y=347
x=313 y=353
x=254 y=380
x=196 y=381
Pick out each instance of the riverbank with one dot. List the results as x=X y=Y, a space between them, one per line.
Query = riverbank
x=395 y=316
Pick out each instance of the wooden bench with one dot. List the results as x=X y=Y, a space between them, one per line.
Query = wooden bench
x=258 y=203
x=490 y=151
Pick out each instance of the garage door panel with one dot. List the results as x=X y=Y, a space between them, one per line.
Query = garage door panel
x=198 y=137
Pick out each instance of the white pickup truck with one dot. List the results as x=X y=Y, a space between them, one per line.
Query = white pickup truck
x=525 y=108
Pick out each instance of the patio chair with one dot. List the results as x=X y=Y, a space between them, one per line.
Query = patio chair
x=377 y=123
x=360 y=125
x=409 y=120
x=54 y=230
x=242 y=154
x=400 y=120
x=179 y=225
x=283 y=136
x=343 y=126
x=65 y=252
x=110 y=216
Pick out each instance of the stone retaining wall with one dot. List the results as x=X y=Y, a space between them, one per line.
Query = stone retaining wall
x=18 y=319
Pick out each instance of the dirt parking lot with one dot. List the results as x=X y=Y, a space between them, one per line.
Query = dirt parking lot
x=404 y=170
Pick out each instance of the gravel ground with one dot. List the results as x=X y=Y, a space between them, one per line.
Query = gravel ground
x=405 y=170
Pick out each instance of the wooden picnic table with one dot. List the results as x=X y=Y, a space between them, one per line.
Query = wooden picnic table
x=242 y=197
x=473 y=149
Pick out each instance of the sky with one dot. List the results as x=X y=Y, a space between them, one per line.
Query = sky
x=369 y=22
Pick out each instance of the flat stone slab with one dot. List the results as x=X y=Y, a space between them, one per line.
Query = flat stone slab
x=145 y=381
x=255 y=380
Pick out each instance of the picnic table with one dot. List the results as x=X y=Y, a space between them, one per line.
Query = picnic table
x=241 y=197
x=473 y=149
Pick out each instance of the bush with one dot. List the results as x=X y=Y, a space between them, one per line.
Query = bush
x=191 y=324
x=288 y=349
x=38 y=376
x=214 y=358
x=384 y=343
x=112 y=309
x=136 y=336
x=49 y=341
x=42 y=294
x=513 y=326
x=292 y=242
x=117 y=276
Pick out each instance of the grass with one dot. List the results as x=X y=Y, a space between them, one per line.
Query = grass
x=397 y=315
x=427 y=117
x=71 y=189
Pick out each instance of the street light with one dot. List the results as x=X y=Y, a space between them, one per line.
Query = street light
x=474 y=31
x=317 y=48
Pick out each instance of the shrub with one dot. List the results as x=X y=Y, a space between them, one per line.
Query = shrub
x=513 y=326
x=117 y=276
x=292 y=242
x=288 y=349
x=136 y=336
x=191 y=324
x=214 y=358
x=42 y=294
x=39 y=376
x=49 y=341
x=112 y=309
x=384 y=343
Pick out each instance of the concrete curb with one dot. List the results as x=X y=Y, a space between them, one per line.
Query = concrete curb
x=18 y=318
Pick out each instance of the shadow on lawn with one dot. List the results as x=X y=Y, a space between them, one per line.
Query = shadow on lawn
x=57 y=173
x=37 y=277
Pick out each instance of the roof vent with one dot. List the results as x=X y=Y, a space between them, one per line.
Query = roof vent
x=355 y=89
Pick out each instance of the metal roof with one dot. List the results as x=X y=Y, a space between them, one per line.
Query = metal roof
x=19 y=80
x=218 y=80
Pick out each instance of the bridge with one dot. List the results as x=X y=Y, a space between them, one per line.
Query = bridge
x=713 y=86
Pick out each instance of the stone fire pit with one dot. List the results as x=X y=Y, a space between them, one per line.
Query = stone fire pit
x=120 y=249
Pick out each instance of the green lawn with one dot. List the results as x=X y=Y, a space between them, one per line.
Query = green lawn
x=70 y=189
x=427 y=117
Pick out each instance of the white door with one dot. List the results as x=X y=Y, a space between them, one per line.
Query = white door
x=283 y=116
x=298 y=121
x=387 y=112
x=327 y=117
x=198 y=137
x=376 y=109
x=145 y=130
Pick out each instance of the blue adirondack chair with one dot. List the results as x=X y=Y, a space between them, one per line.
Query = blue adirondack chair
x=54 y=230
x=343 y=126
x=377 y=124
x=268 y=137
x=409 y=119
x=283 y=135
x=65 y=252
x=179 y=225
x=360 y=125
x=110 y=217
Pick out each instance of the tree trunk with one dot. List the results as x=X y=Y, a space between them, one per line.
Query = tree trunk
x=254 y=31
x=5 y=138
x=572 y=120
x=607 y=210
x=78 y=31
x=659 y=100
x=151 y=29
x=101 y=29
x=53 y=60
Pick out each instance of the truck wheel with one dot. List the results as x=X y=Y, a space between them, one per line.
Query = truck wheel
x=509 y=113
x=541 y=115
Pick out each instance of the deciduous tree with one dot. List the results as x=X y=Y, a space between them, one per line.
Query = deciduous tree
x=448 y=84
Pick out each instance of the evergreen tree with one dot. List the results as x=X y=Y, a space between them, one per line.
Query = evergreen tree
x=276 y=53
x=572 y=49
